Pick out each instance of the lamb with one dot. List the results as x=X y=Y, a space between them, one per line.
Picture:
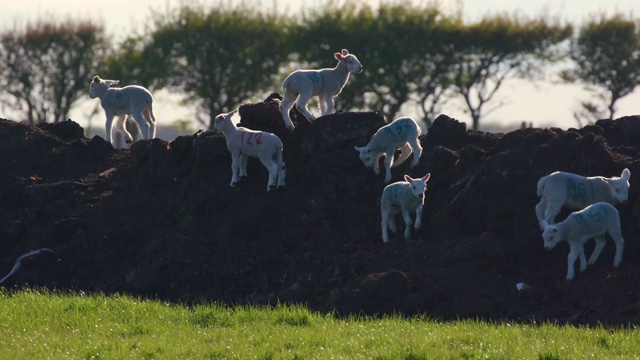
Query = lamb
x=301 y=85
x=576 y=192
x=580 y=226
x=130 y=100
x=402 y=133
x=405 y=196
x=243 y=143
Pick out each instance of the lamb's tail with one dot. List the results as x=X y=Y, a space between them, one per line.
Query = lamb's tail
x=541 y=184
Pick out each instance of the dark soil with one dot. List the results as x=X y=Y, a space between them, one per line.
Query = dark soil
x=160 y=220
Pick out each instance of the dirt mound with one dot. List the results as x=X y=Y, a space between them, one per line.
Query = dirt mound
x=160 y=220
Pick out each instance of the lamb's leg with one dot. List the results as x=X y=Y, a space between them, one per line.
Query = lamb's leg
x=322 y=104
x=376 y=164
x=243 y=167
x=407 y=222
x=417 y=152
x=142 y=124
x=384 y=223
x=571 y=260
x=552 y=210
x=151 y=120
x=616 y=235
x=282 y=170
x=600 y=243
x=108 y=126
x=405 y=151
x=329 y=105
x=235 y=168
x=120 y=124
x=418 y=217
x=285 y=107
x=301 y=104
x=583 y=259
x=272 y=168
x=388 y=161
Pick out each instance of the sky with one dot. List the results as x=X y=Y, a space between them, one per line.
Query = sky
x=542 y=103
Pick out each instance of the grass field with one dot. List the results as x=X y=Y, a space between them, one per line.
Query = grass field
x=45 y=325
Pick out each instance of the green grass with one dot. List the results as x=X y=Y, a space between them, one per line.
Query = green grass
x=41 y=325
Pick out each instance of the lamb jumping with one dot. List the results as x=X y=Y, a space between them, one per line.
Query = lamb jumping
x=402 y=196
x=301 y=85
x=243 y=143
x=402 y=133
x=130 y=100
x=594 y=221
x=576 y=192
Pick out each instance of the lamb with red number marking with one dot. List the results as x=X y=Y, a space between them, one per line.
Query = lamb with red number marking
x=243 y=143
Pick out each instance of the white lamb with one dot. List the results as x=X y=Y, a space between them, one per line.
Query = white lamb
x=402 y=133
x=324 y=83
x=594 y=221
x=403 y=196
x=130 y=100
x=243 y=143
x=576 y=192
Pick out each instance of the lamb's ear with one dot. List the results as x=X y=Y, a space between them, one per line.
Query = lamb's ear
x=338 y=56
x=96 y=79
x=626 y=174
x=112 y=82
x=345 y=52
x=407 y=178
x=545 y=224
x=426 y=177
x=358 y=148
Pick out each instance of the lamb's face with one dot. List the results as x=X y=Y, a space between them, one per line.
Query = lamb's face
x=551 y=236
x=418 y=187
x=353 y=64
x=620 y=189
x=94 y=89
x=218 y=122
x=366 y=155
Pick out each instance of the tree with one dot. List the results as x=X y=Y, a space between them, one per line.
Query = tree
x=393 y=43
x=48 y=66
x=497 y=48
x=219 y=57
x=607 y=55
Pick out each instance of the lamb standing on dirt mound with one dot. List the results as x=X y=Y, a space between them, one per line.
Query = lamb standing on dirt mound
x=324 y=83
x=243 y=143
x=402 y=133
x=576 y=192
x=402 y=196
x=594 y=221
x=130 y=100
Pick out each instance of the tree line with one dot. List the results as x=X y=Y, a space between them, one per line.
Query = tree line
x=414 y=56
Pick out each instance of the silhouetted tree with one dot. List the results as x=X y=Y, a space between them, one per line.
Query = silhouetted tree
x=607 y=54
x=48 y=66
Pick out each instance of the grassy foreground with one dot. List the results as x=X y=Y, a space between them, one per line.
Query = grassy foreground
x=41 y=325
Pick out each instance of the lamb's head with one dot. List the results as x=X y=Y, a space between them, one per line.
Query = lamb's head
x=367 y=155
x=352 y=62
x=620 y=186
x=99 y=86
x=418 y=186
x=221 y=121
x=551 y=234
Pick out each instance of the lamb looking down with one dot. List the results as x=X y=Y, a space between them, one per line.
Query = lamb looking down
x=576 y=192
x=301 y=85
x=130 y=100
x=402 y=196
x=594 y=221
x=402 y=133
x=243 y=143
